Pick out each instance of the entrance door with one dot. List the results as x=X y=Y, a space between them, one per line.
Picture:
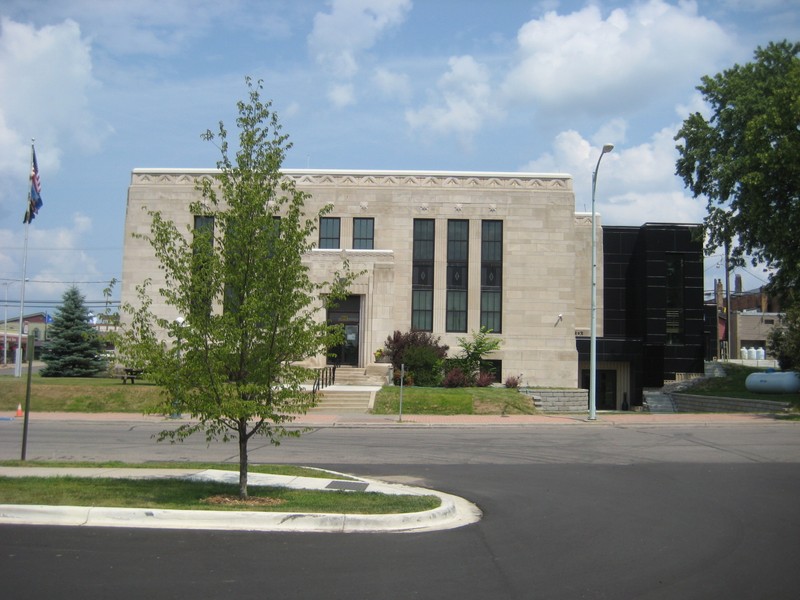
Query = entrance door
x=347 y=314
x=606 y=388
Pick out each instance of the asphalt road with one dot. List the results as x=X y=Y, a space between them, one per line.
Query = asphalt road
x=569 y=512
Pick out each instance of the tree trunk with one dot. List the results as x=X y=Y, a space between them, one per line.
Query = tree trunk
x=243 y=459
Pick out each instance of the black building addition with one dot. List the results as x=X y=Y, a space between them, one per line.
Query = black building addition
x=653 y=320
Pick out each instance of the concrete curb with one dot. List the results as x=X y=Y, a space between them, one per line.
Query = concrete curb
x=453 y=512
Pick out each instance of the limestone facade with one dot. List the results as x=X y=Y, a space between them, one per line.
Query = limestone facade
x=546 y=271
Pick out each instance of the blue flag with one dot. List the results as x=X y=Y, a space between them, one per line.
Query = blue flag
x=35 y=196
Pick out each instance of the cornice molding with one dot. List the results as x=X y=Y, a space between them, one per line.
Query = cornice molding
x=394 y=179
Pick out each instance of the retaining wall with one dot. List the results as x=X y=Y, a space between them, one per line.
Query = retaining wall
x=692 y=403
x=558 y=400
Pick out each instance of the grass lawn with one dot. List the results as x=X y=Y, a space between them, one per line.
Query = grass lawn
x=194 y=495
x=733 y=386
x=78 y=394
x=115 y=464
x=453 y=401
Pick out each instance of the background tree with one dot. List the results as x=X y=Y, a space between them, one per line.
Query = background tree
x=73 y=348
x=745 y=159
x=249 y=308
x=783 y=341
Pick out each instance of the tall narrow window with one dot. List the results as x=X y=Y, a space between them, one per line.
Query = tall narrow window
x=329 y=228
x=363 y=234
x=422 y=275
x=492 y=275
x=202 y=255
x=457 y=258
x=674 y=300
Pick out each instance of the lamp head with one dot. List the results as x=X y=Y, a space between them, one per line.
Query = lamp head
x=607 y=148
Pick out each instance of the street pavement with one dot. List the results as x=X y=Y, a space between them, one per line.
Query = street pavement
x=453 y=512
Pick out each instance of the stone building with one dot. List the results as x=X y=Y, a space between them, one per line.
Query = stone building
x=450 y=252
x=442 y=252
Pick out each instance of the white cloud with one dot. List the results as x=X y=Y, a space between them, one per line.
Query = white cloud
x=45 y=82
x=393 y=85
x=635 y=185
x=582 y=61
x=466 y=101
x=55 y=257
x=351 y=27
x=342 y=94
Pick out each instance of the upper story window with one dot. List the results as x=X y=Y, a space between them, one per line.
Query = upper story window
x=202 y=255
x=674 y=298
x=329 y=232
x=492 y=275
x=457 y=259
x=422 y=275
x=363 y=233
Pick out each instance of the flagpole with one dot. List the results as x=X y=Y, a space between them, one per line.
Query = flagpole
x=18 y=356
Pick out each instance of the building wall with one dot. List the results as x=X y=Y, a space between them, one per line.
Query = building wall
x=654 y=320
x=546 y=271
x=751 y=330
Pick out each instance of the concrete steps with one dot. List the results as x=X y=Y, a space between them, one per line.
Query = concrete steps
x=353 y=392
x=339 y=399
x=656 y=401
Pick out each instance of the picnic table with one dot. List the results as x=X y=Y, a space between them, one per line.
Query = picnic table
x=131 y=374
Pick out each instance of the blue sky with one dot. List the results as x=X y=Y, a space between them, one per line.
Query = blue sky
x=106 y=86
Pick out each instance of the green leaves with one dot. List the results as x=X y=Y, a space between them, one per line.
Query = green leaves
x=745 y=160
x=249 y=311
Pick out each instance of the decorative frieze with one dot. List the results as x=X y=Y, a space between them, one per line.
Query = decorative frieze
x=374 y=179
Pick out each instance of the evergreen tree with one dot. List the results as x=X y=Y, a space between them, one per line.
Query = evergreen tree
x=73 y=348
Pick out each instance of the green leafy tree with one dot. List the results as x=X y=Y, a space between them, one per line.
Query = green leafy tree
x=250 y=311
x=784 y=340
x=745 y=160
x=474 y=350
x=73 y=348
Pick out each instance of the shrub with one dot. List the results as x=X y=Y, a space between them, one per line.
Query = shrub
x=454 y=378
x=397 y=344
x=408 y=378
x=474 y=350
x=513 y=381
x=484 y=379
x=425 y=364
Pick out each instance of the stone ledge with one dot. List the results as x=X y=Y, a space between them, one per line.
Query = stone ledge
x=558 y=400
x=693 y=403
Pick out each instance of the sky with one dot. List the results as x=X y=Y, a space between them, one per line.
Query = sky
x=107 y=86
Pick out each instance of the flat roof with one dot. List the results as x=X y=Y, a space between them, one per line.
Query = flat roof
x=374 y=172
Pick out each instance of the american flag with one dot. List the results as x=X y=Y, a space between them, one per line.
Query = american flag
x=35 y=198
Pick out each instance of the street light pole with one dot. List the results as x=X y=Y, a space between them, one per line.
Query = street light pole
x=593 y=350
x=5 y=325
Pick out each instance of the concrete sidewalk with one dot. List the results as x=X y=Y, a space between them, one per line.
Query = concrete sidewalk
x=333 y=419
x=453 y=511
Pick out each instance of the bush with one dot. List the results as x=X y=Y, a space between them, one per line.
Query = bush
x=397 y=345
x=513 y=381
x=474 y=350
x=484 y=379
x=454 y=378
x=408 y=378
x=425 y=364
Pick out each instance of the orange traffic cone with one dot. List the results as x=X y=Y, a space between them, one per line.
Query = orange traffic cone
x=19 y=409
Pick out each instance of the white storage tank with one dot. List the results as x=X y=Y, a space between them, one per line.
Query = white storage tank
x=760 y=354
x=751 y=354
x=776 y=382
